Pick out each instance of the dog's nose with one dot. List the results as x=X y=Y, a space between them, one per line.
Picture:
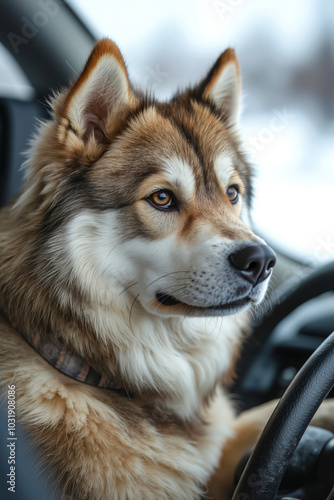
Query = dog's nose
x=254 y=262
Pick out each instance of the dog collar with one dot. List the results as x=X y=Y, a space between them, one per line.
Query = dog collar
x=67 y=362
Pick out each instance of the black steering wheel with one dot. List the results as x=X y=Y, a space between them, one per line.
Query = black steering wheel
x=300 y=402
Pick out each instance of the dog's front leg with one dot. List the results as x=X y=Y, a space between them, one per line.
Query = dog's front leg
x=247 y=430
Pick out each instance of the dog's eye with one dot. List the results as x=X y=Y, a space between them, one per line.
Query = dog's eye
x=233 y=194
x=162 y=199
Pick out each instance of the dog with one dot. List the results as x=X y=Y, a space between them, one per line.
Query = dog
x=128 y=269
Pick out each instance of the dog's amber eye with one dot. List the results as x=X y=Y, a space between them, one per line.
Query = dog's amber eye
x=233 y=194
x=162 y=199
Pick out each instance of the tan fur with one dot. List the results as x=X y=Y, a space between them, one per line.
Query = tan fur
x=82 y=256
x=228 y=57
x=104 y=446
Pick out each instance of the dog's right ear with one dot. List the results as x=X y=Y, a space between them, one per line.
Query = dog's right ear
x=101 y=93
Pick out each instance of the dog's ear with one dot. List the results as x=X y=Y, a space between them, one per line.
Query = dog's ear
x=101 y=93
x=222 y=86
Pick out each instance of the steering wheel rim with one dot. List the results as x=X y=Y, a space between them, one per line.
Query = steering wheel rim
x=267 y=464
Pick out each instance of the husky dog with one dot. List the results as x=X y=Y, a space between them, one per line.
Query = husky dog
x=127 y=270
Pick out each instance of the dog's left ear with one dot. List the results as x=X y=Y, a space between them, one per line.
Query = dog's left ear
x=94 y=105
x=222 y=87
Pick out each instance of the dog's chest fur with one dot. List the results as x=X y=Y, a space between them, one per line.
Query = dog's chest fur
x=104 y=445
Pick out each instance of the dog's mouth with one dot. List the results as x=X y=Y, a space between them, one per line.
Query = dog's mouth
x=168 y=301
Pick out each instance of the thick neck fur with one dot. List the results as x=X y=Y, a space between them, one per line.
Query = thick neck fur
x=181 y=359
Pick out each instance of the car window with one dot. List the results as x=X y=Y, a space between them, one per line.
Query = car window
x=13 y=82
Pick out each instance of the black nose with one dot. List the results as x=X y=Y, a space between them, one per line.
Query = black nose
x=254 y=262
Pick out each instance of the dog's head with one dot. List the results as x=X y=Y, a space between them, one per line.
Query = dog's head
x=151 y=199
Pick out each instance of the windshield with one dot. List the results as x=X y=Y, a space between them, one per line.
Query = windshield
x=286 y=54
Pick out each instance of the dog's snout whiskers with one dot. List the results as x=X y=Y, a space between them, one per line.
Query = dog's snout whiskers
x=169 y=275
x=129 y=286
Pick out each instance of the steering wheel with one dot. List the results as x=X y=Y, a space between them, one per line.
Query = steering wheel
x=287 y=424
x=298 y=405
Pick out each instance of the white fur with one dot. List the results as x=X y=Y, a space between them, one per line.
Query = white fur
x=224 y=169
x=179 y=173
x=179 y=356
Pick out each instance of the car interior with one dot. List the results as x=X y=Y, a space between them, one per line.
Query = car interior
x=297 y=319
